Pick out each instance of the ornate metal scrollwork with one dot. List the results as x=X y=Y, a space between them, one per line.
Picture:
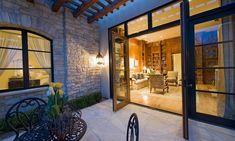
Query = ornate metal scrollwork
x=27 y=113
x=133 y=128
x=31 y=114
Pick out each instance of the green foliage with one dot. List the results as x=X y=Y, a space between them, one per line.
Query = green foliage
x=85 y=101
x=14 y=121
x=3 y=126
x=56 y=100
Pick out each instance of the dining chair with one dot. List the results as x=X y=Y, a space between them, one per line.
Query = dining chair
x=157 y=81
x=133 y=128
x=25 y=114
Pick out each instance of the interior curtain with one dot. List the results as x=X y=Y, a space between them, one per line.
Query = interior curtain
x=42 y=58
x=229 y=61
x=7 y=55
x=219 y=75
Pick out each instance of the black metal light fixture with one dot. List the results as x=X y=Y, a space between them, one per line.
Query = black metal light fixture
x=99 y=59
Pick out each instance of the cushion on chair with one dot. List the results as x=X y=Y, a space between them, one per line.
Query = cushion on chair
x=172 y=74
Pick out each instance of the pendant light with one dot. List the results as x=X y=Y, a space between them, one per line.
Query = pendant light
x=99 y=59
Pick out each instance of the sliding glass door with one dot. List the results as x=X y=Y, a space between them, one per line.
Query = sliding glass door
x=213 y=44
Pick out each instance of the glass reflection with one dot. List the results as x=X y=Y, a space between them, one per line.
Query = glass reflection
x=11 y=79
x=166 y=15
x=137 y=25
x=215 y=67
x=38 y=77
x=215 y=104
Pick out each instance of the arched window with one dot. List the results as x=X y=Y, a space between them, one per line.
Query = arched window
x=25 y=60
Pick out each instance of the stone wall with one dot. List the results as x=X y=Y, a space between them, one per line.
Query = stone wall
x=83 y=46
x=75 y=45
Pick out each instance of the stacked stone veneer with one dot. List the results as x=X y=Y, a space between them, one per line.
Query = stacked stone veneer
x=75 y=45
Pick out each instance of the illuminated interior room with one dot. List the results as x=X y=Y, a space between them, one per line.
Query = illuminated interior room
x=116 y=70
x=155 y=70
x=153 y=62
x=39 y=54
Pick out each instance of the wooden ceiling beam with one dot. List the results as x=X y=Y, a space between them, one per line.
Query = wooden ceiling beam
x=109 y=1
x=57 y=4
x=85 y=14
x=101 y=4
x=116 y=4
x=74 y=3
x=83 y=7
x=70 y=7
x=95 y=8
x=32 y=1
x=91 y=12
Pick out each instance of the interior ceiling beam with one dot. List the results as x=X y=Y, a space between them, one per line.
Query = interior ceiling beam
x=57 y=4
x=116 y=4
x=83 y=7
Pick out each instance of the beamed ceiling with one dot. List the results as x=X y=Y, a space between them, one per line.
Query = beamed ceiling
x=92 y=9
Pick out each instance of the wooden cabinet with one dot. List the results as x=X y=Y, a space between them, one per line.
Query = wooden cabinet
x=158 y=55
x=19 y=83
x=153 y=56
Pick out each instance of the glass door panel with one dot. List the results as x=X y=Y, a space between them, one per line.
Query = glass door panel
x=214 y=55
x=121 y=95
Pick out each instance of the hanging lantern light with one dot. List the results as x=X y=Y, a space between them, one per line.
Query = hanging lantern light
x=99 y=59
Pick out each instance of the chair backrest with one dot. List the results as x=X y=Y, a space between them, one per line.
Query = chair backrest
x=25 y=114
x=157 y=80
x=133 y=128
x=172 y=74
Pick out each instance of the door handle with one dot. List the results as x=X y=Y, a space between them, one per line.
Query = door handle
x=190 y=85
x=186 y=84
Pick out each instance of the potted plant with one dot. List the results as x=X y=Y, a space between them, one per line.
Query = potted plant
x=59 y=117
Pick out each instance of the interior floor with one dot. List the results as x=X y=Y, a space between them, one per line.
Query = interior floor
x=171 y=101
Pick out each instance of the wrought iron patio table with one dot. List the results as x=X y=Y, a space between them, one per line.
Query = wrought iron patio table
x=42 y=133
x=32 y=114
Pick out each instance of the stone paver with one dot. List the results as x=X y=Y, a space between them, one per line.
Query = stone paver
x=106 y=125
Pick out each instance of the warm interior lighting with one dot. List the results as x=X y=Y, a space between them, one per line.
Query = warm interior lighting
x=99 y=59
x=132 y=63
x=145 y=97
x=136 y=63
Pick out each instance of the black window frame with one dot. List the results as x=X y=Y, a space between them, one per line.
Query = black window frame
x=25 y=59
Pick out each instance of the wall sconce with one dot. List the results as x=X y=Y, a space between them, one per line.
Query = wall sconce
x=132 y=63
x=136 y=63
x=99 y=59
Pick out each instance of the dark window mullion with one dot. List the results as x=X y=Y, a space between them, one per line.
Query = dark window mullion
x=212 y=68
x=11 y=68
x=10 y=48
x=215 y=92
x=25 y=58
x=52 y=62
x=40 y=68
x=39 y=51
x=214 y=43
x=150 y=21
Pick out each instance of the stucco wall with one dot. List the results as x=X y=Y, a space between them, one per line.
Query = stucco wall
x=132 y=9
x=75 y=45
